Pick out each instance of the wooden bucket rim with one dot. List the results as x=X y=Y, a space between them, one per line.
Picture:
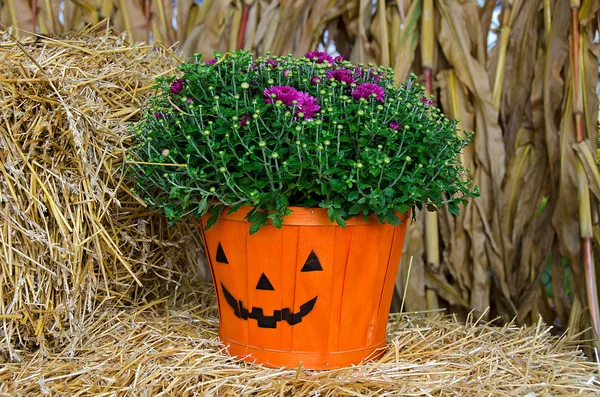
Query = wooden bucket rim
x=308 y=216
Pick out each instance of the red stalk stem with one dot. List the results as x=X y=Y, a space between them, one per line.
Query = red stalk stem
x=590 y=280
x=575 y=52
x=428 y=80
x=34 y=12
x=243 y=23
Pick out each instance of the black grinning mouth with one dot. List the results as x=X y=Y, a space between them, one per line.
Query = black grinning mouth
x=268 y=321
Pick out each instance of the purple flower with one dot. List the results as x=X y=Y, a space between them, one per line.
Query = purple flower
x=160 y=115
x=427 y=101
x=339 y=58
x=315 y=80
x=272 y=63
x=286 y=73
x=244 y=120
x=365 y=90
x=210 y=62
x=177 y=86
x=319 y=57
x=344 y=75
x=395 y=126
x=283 y=93
x=189 y=100
x=307 y=105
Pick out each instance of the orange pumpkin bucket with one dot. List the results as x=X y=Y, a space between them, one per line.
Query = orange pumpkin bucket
x=311 y=292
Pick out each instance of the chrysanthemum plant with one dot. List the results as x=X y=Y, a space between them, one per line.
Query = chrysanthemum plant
x=277 y=132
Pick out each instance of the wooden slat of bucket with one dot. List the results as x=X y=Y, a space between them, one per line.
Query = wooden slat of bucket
x=390 y=279
x=231 y=326
x=359 y=286
x=289 y=273
x=343 y=238
x=384 y=250
x=236 y=237
x=264 y=252
x=307 y=336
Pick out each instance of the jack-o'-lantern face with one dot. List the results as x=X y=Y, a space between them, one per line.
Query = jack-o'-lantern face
x=287 y=314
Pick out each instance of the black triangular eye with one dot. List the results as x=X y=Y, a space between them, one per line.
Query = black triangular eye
x=264 y=283
x=221 y=255
x=312 y=263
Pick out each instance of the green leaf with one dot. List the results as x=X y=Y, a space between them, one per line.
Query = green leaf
x=258 y=219
x=356 y=209
x=277 y=219
x=337 y=215
x=453 y=209
x=392 y=219
x=215 y=213
x=202 y=206
x=233 y=209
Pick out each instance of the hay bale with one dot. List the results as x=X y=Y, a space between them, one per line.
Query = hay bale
x=73 y=239
x=167 y=348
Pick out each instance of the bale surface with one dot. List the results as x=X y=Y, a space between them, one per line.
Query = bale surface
x=73 y=238
x=169 y=347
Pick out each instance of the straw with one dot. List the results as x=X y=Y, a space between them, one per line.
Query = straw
x=72 y=235
x=134 y=351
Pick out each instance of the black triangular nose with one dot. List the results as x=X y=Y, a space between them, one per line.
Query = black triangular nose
x=312 y=263
x=264 y=283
